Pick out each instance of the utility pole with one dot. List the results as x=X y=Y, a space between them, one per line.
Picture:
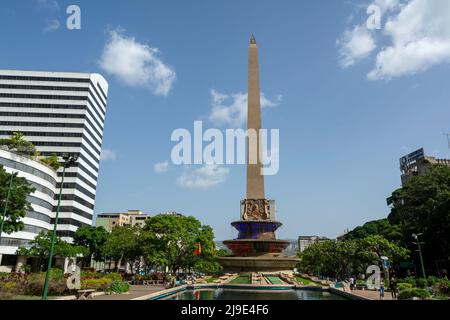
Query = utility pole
x=68 y=161
x=416 y=236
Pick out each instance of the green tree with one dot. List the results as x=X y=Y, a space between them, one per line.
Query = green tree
x=170 y=240
x=422 y=205
x=123 y=245
x=40 y=248
x=18 y=144
x=18 y=202
x=93 y=238
x=381 y=227
x=340 y=259
x=374 y=247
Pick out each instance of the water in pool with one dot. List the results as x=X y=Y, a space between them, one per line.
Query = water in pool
x=226 y=294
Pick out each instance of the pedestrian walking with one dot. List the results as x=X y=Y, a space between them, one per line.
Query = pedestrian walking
x=382 y=290
x=393 y=287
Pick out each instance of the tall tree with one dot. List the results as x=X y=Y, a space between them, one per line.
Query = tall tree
x=423 y=206
x=18 y=202
x=122 y=245
x=93 y=238
x=382 y=227
x=170 y=240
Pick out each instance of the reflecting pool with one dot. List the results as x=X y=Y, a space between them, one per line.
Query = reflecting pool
x=228 y=294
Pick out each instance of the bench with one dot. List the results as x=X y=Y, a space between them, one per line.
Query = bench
x=85 y=294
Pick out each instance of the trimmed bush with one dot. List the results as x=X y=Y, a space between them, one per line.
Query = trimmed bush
x=413 y=293
x=411 y=281
x=403 y=286
x=118 y=286
x=113 y=276
x=421 y=283
x=96 y=284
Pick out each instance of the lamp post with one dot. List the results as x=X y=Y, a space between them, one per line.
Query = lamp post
x=68 y=161
x=416 y=236
x=5 y=208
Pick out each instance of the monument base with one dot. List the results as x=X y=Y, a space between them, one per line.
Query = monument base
x=258 y=264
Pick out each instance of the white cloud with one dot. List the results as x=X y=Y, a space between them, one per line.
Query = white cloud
x=107 y=155
x=161 y=167
x=231 y=109
x=136 y=64
x=52 y=25
x=355 y=45
x=420 y=39
x=417 y=34
x=204 y=177
x=387 y=5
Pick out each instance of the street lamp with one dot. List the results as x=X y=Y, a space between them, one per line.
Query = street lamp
x=69 y=160
x=5 y=208
x=416 y=236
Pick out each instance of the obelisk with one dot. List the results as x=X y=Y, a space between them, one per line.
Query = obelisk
x=255 y=179
x=256 y=248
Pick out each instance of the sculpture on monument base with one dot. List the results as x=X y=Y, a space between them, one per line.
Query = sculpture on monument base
x=255 y=209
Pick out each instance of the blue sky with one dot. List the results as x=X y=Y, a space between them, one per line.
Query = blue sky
x=348 y=101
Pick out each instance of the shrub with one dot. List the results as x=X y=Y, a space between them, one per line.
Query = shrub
x=96 y=284
x=432 y=280
x=403 y=286
x=411 y=281
x=51 y=161
x=88 y=274
x=113 y=276
x=442 y=286
x=413 y=293
x=118 y=286
x=35 y=286
x=9 y=286
x=56 y=274
x=421 y=283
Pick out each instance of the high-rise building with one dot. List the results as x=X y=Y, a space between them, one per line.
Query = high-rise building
x=59 y=113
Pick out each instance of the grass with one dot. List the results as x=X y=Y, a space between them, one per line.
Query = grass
x=274 y=280
x=212 y=279
x=307 y=282
x=241 y=280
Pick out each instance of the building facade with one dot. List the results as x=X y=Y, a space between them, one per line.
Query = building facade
x=421 y=166
x=305 y=241
x=130 y=218
x=60 y=113
x=43 y=179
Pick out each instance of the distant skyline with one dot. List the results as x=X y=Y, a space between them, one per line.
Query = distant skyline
x=349 y=100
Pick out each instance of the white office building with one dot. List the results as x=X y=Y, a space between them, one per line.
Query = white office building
x=43 y=179
x=60 y=113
